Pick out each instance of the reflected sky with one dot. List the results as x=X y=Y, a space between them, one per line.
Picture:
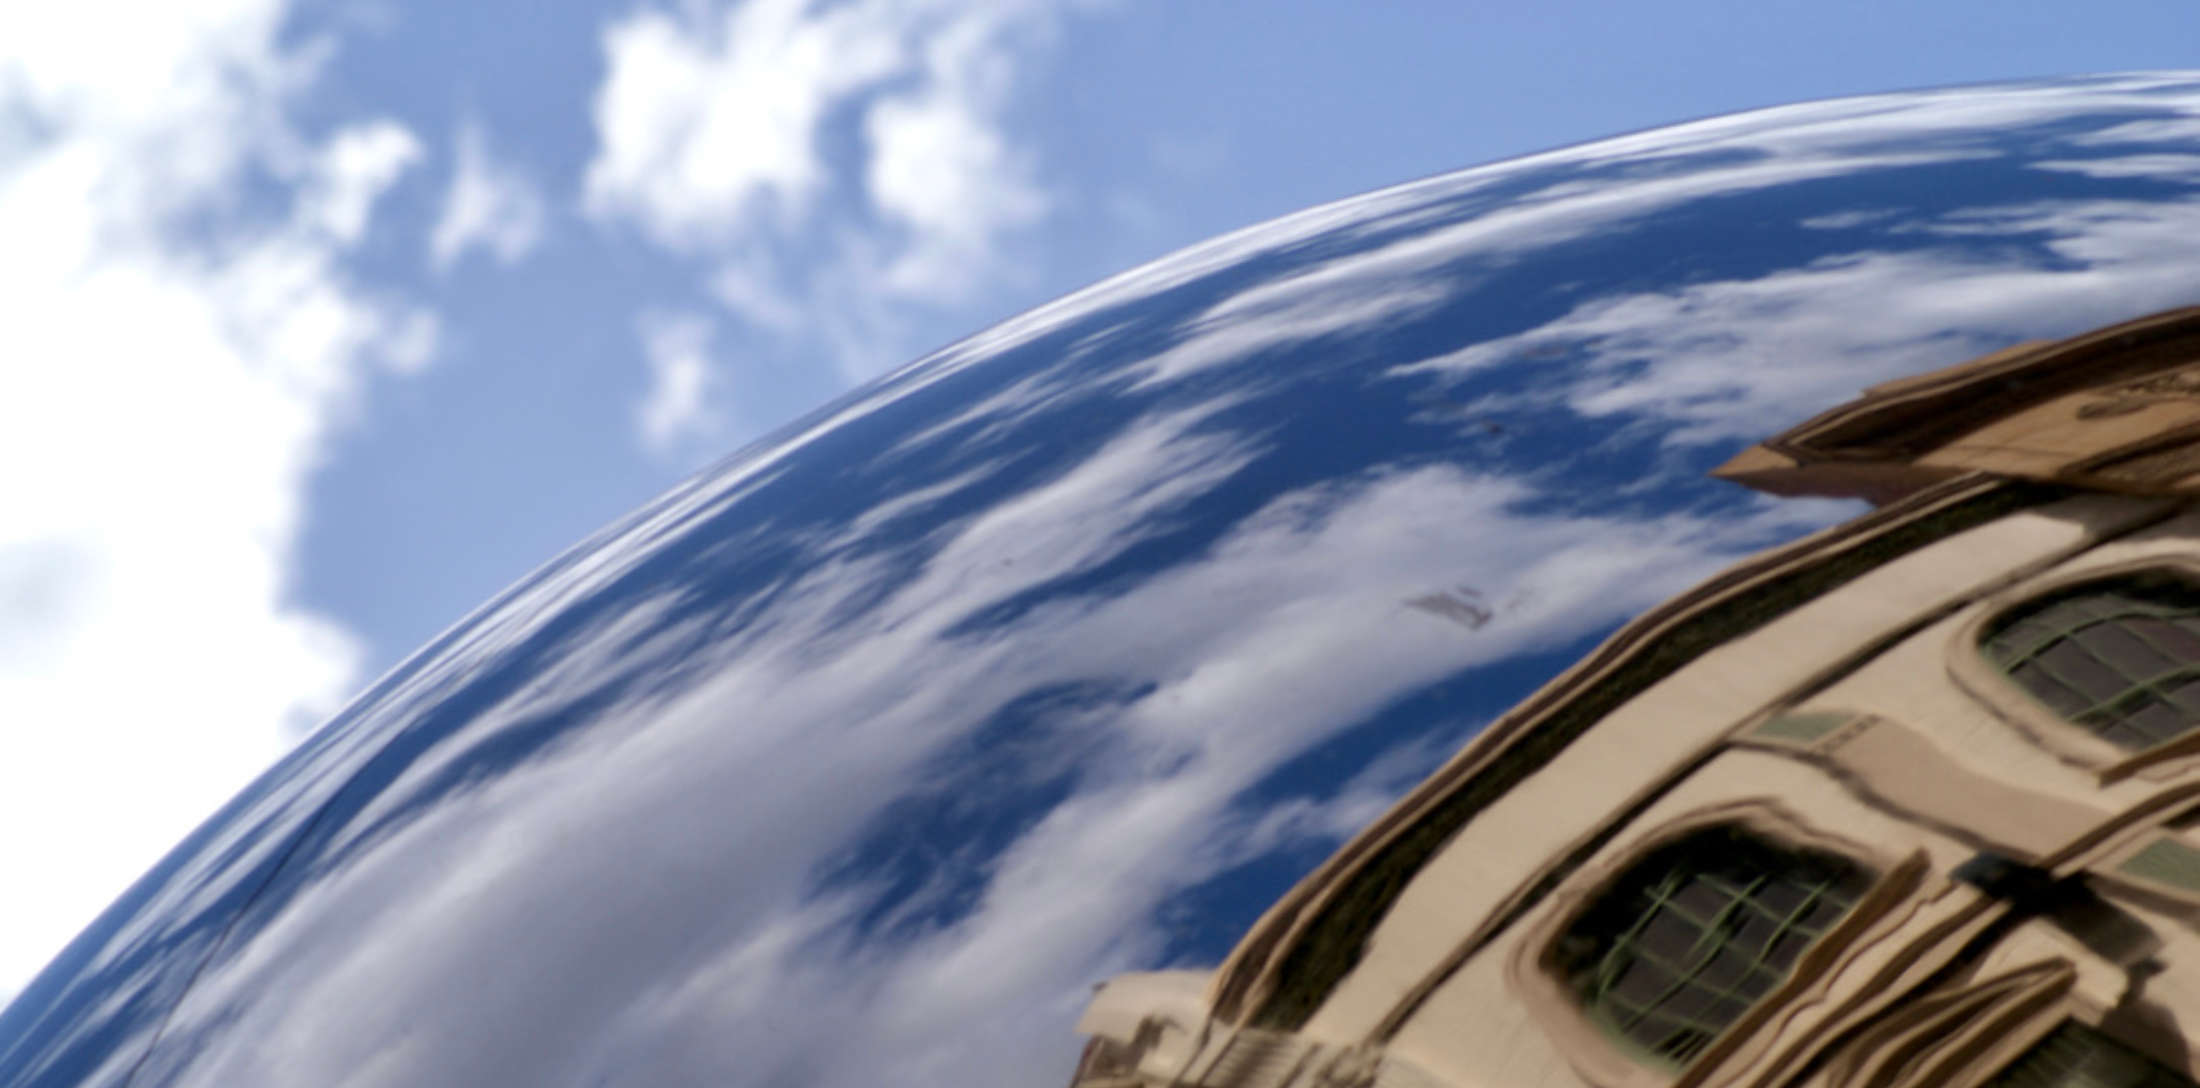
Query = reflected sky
x=859 y=757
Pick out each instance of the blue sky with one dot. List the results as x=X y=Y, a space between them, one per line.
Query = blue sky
x=328 y=320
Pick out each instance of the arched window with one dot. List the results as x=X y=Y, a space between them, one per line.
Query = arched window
x=2119 y=657
x=1684 y=940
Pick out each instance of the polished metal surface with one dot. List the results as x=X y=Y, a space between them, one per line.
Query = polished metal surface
x=858 y=758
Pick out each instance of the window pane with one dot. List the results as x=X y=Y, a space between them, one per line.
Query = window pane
x=2076 y=1056
x=1684 y=941
x=2119 y=657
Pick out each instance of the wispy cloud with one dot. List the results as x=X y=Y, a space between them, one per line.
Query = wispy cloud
x=177 y=356
x=682 y=403
x=836 y=167
x=1711 y=358
x=489 y=205
x=868 y=660
x=350 y=174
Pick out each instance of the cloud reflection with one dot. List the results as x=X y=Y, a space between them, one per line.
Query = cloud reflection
x=857 y=758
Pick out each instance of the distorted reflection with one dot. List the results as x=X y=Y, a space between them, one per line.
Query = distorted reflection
x=858 y=758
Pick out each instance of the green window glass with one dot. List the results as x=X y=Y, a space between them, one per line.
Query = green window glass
x=2076 y=1056
x=2119 y=657
x=1686 y=939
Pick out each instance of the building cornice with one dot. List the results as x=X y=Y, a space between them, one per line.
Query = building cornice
x=2115 y=409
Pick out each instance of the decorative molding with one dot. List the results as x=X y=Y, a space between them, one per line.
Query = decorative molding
x=1902 y=772
x=2115 y=409
x=1932 y=1039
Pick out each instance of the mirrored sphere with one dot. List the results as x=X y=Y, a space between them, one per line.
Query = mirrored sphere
x=859 y=757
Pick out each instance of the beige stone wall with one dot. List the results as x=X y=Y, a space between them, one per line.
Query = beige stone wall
x=1912 y=683
x=1630 y=752
x=1478 y=1028
x=1937 y=763
x=1865 y=716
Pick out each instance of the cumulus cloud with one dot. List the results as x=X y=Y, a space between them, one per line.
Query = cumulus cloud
x=949 y=177
x=489 y=205
x=176 y=356
x=724 y=135
x=707 y=119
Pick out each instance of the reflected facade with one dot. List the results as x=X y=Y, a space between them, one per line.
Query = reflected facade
x=1908 y=803
x=1063 y=653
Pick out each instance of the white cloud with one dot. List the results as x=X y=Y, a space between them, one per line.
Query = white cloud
x=716 y=129
x=942 y=167
x=1327 y=302
x=1706 y=356
x=707 y=118
x=951 y=180
x=490 y=205
x=2156 y=131
x=350 y=174
x=166 y=395
x=841 y=697
x=749 y=285
x=2178 y=167
x=681 y=405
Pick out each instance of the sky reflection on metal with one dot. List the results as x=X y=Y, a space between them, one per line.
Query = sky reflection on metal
x=857 y=758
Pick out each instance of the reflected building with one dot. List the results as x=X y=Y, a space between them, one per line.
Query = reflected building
x=858 y=758
x=1914 y=801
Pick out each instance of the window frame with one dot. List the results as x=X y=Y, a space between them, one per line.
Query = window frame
x=2011 y=702
x=1896 y=880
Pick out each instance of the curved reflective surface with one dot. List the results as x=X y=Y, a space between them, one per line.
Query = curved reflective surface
x=857 y=759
